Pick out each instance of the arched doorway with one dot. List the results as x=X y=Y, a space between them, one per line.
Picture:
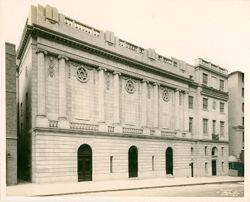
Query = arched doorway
x=169 y=161
x=84 y=161
x=214 y=159
x=133 y=162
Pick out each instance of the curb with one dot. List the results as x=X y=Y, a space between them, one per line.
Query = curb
x=135 y=188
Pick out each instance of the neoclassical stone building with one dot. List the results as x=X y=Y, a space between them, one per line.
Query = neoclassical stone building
x=95 y=107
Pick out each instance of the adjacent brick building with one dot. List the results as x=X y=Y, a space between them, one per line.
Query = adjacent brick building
x=96 y=107
x=11 y=114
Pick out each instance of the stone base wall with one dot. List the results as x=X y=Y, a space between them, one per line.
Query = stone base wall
x=55 y=157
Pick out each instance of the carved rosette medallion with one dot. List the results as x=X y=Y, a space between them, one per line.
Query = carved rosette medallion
x=82 y=74
x=130 y=86
x=165 y=95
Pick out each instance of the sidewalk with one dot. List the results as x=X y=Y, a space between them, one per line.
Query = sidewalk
x=54 y=189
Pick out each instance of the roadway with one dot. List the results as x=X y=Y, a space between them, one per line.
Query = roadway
x=234 y=189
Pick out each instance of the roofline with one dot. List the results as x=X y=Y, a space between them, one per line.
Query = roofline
x=236 y=72
x=37 y=30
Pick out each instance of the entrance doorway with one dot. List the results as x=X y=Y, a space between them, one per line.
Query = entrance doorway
x=169 y=161
x=214 y=157
x=84 y=168
x=214 y=172
x=133 y=162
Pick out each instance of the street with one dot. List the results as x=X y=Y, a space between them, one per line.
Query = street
x=208 y=190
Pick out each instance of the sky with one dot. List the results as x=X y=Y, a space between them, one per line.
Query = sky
x=215 y=30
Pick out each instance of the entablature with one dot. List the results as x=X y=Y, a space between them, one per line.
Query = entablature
x=211 y=92
x=126 y=134
x=150 y=77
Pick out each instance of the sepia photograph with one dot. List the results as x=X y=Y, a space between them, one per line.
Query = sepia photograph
x=121 y=100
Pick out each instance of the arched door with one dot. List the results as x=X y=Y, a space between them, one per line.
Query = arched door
x=133 y=162
x=84 y=160
x=169 y=161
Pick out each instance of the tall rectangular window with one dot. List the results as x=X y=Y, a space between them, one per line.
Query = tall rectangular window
x=190 y=124
x=153 y=163
x=243 y=107
x=204 y=79
x=190 y=102
x=111 y=164
x=222 y=127
x=205 y=121
x=205 y=104
x=222 y=151
x=242 y=92
x=222 y=107
x=205 y=150
x=222 y=166
x=242 y=121
x=221 y=84
x=214 y=126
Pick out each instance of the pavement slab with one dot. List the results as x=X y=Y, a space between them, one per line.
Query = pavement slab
x=57 y=189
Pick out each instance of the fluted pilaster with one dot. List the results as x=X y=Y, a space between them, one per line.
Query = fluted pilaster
x=41 y=120
x=156 y=105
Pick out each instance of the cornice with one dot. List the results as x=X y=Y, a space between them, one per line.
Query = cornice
x=122 y=135
x=23 y=43
x=211 y=92
x=37 y=30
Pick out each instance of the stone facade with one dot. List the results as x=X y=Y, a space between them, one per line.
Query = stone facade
x=88 y=87
x=11 y=114
x=236 y=115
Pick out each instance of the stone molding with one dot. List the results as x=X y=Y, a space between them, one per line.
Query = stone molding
x=91 y=66
x=102 y=68
x=116 y=72
x=119 y=135
x=62 y=57
x=41 y=51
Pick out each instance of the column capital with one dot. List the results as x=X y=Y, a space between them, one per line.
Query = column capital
x=186 y=92
x=41 y=51
x=62 y=57
x=145 y=81
x=177 y=90
x=116 y=72
x=156 y=84
x=102 y=68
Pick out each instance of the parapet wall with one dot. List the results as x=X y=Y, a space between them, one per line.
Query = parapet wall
x=48 y=17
